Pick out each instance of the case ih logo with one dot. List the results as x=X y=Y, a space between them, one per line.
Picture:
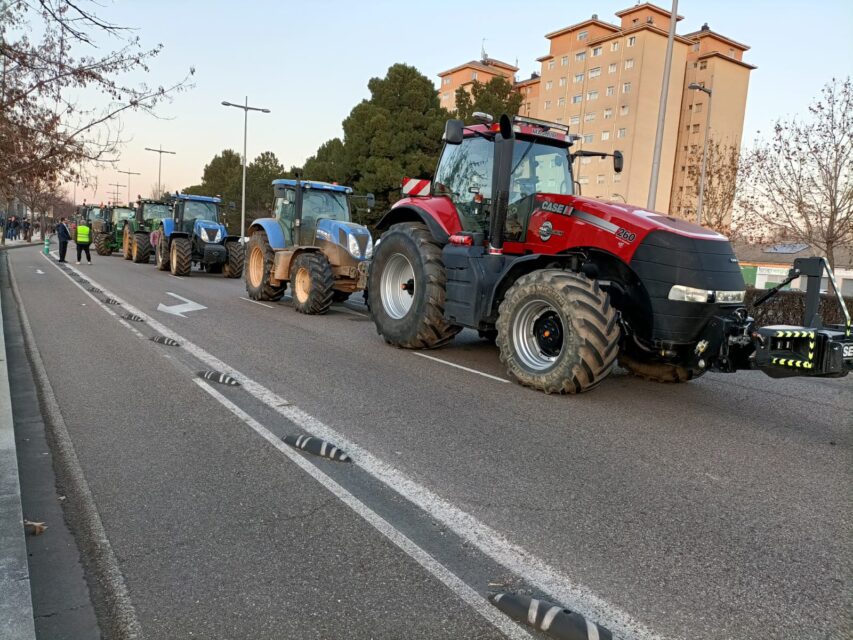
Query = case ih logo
x=553 y=207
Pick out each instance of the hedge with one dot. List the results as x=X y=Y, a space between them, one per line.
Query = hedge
x=789 y=307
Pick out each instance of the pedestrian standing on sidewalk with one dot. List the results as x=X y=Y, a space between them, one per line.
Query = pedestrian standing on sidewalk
x=63 y=234
x=84 y=238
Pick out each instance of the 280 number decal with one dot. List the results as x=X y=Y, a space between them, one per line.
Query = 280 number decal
x=626 y=235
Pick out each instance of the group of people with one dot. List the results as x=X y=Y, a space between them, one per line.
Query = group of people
x=16 y=229
x=82 y=237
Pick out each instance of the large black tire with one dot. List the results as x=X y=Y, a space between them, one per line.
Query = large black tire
x=161 y=254
x=180 y=257
x=557 y=332
x=311 y=280
x=236 y=255
x=103 y=244
x=141 y=248
x=127 y=243
x=260 y=258
x=341 y=296
x=657 y=371
x=409 y=259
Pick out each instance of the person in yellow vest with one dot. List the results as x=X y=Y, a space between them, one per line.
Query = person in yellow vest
x=83 y=238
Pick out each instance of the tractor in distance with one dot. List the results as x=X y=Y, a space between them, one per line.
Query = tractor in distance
x=138 y=232
x=108 y=227
x=193 y=234
x=311 y=243
x=499 y=243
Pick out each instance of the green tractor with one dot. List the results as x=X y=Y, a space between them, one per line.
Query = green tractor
x=108 y=228
x=137 y=240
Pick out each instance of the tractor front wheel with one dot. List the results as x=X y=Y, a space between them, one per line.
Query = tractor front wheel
x=258 y=270
x=126 y=243
x=141 y=248
x=103 y=244
x=180 y=257
x=557 y=332
x=406 y=289
x=161 y=253
x=312 y=280
x=234 y=265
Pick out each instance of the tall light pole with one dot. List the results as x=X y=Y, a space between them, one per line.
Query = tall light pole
x=161 y=151
x=128 y=174
x=695 y=86
x=115 y=193
x=246 y=109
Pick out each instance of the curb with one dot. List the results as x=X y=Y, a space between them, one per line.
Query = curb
x=16 y=606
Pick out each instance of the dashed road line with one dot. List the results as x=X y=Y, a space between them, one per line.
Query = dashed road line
x=268 y=306
x=459 y=366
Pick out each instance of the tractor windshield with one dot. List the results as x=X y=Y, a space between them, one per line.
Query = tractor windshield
x=325 y=204
x=195 y=210
x=155 y=211
x=122 y=213
x=95 y=213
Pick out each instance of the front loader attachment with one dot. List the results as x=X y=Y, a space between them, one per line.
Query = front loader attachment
x=814 y=349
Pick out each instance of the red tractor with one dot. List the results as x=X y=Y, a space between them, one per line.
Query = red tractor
x=500 y=243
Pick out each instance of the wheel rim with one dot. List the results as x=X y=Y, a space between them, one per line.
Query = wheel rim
x=538 y=335
x=302 y=284
x=135 y=249
x=125 y=244
x=398 y=286
x=256 y=266
x=173 y=252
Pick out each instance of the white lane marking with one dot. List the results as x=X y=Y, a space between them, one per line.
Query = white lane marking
x=268 y=306
x=435 y=568
x=350 y=311
x=591 y=631
x=549 y=618
x=561 y=587
x=172 y=275
x=459 y=366
x=40 y=272
x=180 y=309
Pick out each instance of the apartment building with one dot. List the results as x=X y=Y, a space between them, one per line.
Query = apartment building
x=604 y=80
x=465 y=75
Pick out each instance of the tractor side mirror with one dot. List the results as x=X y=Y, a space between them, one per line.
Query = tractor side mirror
x=371 y=201
x=618 y=161
x=454 y=132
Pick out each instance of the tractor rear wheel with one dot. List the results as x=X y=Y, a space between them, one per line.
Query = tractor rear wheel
x=180 y=257
x=557 y=332
x=141 y=248
x=258 y=269
x=312 y=280
x=657 y=371
x=341 y=296
x=126 y=243
x=161 y=253
x=406 y=289
x=103 y=244
x=234 y=265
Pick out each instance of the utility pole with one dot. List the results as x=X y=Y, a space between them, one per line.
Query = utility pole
x=667 y=68
x=128 y=174
x=117 y=191
x=695 y=86
x=161 y=151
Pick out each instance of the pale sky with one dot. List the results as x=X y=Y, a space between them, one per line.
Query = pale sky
x=309 y=62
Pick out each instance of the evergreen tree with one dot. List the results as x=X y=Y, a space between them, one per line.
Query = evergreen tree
x=495 y=97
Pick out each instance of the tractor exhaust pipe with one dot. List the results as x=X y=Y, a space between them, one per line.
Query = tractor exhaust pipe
x=504 y=146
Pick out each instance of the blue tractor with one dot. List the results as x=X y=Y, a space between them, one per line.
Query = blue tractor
x=311 y=243
x=194 y=235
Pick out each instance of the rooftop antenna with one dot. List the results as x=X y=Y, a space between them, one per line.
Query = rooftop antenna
x=483 y=55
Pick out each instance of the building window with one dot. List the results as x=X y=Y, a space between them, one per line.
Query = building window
x=551 y=64
x=611 y=90
x=588 y=138
x=577 y=98
x=583 y=180
x=632 y=41
x=621 y=133
x=626 y=87
x=564 y=61
x=548 y=85
x=446 y=81
x=586 y=160
x=697 y=108
x=578 y=78
x=575 y=120
x=589 y=117
x=608 y=113
x=696 y=47
x=445 y=96
x=562 y=82
x=614 y=46
x=599 y=179
x=695 y=128
x=629 y=63
x=580 y=56
x=596 y=51
x=594 y=73
x=605 y=135
x=623 y=110
x=592 y=95
x=611 y=68
x=682 y=168
x=582 y=35
x=561 y=102
x=473 y=75
x=617 y=177
x=703 y=64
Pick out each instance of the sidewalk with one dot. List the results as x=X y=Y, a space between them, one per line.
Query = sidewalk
x=16 y=608
x=11 y=244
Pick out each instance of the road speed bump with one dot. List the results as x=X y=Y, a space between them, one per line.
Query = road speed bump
x=218 y=376
x=133 y=317
x=112 y=301
x=95 y=290
x=317 y=447
x=548 y=617
x=164 y=340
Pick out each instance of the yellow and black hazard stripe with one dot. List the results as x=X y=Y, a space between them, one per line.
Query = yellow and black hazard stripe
x=795 y=334
x=794 y=363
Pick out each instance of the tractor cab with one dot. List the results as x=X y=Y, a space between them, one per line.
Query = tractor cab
x=150 y=213
x=118 y=217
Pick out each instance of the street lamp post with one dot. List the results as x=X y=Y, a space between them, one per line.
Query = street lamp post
x=161 y=151
x=116 y=192
x=695 y=86
x=246 y=108
x=128 y=174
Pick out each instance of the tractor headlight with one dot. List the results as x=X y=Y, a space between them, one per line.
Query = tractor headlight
x=354 y=249
x=218 y=237
x=689 y=294
x=368 y=251
x=729 y=297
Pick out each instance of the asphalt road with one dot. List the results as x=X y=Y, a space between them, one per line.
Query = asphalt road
x=715 y=509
